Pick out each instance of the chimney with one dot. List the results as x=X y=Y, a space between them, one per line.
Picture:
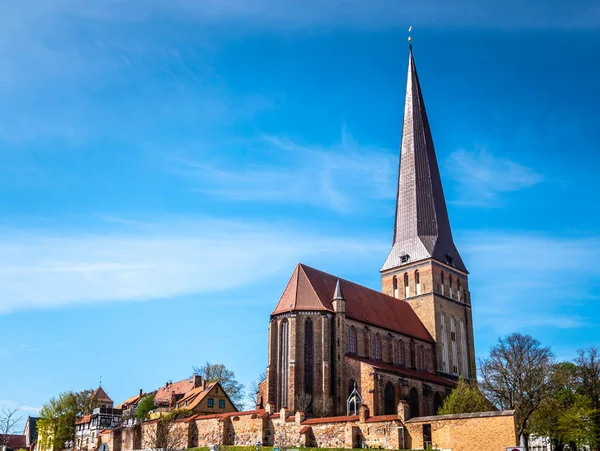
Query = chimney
x=204 y=384
x=141 y=393
x=197 y=380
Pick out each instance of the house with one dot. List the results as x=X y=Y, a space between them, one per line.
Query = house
x=30 y=432
x=207 y=399
x=166 y=397
x=12 y=442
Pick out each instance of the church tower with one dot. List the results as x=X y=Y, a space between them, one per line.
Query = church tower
x=424 y=267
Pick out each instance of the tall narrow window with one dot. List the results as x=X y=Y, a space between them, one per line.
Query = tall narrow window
x=395 y=287
x=406 y=286
x=454 y=347
x=366 y=342
x=442 y=284
x=450 y=285
x=421 y=357
x=352 y=340
x=463 y=349
x=401 y=360
x=458 y=288
x=417 y=282
x=308 y=356
x=284 y=363
x=377 y=345
x=444 y=333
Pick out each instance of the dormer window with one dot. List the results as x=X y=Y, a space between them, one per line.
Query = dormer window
x=404 y=258
x=449 y=259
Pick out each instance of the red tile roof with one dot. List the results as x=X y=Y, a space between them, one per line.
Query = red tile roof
x=100 y=395
x=403 y=371
x=164 y=393
x=380 y=418
x=13 y=440
x=195 y=396
x=311 y=289
x=83 y=420
x=340 y=419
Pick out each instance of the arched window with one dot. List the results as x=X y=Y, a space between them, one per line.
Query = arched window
x=377 y=347
x=308 y=356
x=450 y=285
x=406 y=286
x=389 y=400
x=444 y=333
x=366 y=342
x=458 y=287
x=463 y=349
x=284 y=349
x=421 y=358
x=442 y=283
x=454 y=347
x=395 y=287
x=417 y=282
x=437 y=403
x=413 y=402
x=401 y=360
x=352 y=340
x=354 y=399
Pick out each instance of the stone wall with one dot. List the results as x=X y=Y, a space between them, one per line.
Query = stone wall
x=492 y=431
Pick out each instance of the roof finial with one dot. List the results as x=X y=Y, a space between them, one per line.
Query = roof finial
x=100 y=381
x=409 y=36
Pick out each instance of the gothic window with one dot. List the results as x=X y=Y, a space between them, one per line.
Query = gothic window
x=417 y=282
x=389 y=400
x=395 y=286
x=421 y=358
x=413 y=356
x=308 y=356
x=454 y=347
x=413 y=402
x=437 y=403
x=444 y=334
x=377 y=347
x=401 y=360
x=354 y=399
x=458 y=288
x=284 y=363
x=442 y=284
x=406 y=286
x=367 y=344
x=450 y=285
x=352 y=340
x=463 y=349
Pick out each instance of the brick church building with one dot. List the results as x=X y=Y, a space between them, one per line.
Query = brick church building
x=334 y=344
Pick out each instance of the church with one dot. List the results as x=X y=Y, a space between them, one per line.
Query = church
x=335 y=345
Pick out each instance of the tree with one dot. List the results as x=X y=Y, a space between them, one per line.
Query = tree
x=465 y=398
x=56 y=425
x=303 y=402
x=254 y=386
x=516 y=375
x=576 y=426
x=588 y=363
x=166 y=433
x=218 y=372
x=9 y=418
x=145 y=406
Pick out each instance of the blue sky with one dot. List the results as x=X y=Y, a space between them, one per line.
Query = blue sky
x=164 y=165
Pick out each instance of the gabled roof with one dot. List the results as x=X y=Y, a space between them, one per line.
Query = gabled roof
x=311 y=289
x=164 y=393
x=84 y=419
x=100 y=395
x=404 y=371
x=195 y=396
x=422 y=228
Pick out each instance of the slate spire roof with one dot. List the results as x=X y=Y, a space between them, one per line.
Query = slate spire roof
x=338 y=295
x=422 y=228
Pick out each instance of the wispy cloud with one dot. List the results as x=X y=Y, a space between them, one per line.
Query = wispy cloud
x=482 y=177
x=525 y=280
x=285 y=171
x=38 y=270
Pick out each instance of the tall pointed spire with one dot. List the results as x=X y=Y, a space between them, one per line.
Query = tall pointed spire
x=422 y=229
x=337 y=294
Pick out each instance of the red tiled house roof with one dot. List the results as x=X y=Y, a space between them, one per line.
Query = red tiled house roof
x=311 y=289
x=100 y=395
x=195 y=396
x=13 y=441
x=174 y=391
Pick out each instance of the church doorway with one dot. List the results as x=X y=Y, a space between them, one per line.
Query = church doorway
x=413 y=402
x=389 y=400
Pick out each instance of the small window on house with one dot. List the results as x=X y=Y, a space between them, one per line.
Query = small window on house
x=417 y=283
x=221 y=403
x=404 y=258
x=449 y=260
x=395 y=287
x=406 y=285
x=211 y=402
x=377 y=347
